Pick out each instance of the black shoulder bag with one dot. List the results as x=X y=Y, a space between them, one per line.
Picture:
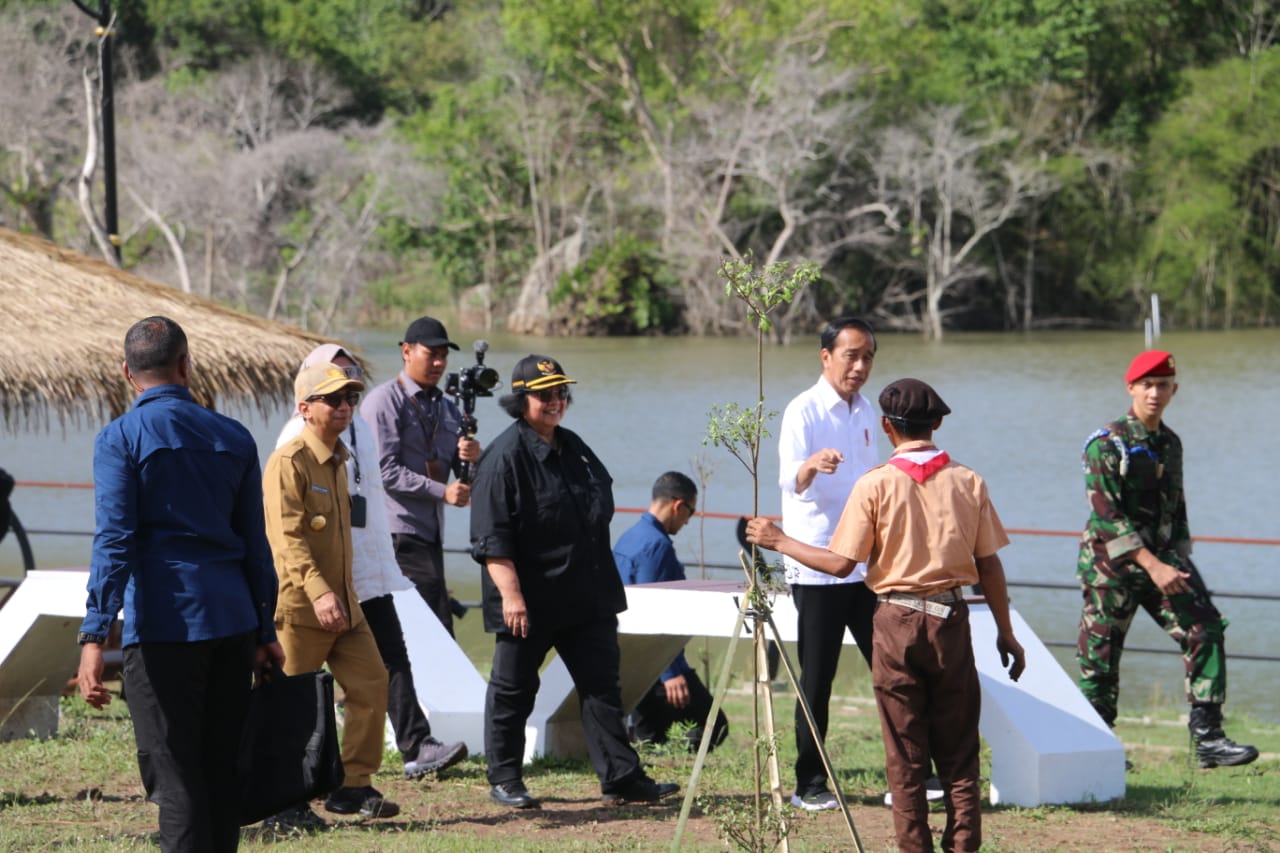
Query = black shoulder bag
x=289 y=748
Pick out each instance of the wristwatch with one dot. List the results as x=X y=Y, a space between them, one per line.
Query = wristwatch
x=83 y=638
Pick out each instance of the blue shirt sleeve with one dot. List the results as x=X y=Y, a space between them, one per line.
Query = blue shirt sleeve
x=115 y=489
x=249 y=522
x=645 y=554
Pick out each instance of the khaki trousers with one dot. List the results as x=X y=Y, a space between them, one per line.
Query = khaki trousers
x=353 y=659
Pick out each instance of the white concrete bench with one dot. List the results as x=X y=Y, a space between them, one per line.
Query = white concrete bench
x=1047 y=743
x=38 y=654
x=38 y=651
x=450 y=689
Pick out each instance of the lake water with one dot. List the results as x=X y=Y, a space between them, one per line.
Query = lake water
x=1022 y=407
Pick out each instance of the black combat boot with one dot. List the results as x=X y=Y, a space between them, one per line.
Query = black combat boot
x=1213 y=748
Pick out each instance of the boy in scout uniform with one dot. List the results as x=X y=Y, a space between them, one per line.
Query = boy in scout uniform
x=1136 y=552
x=318 y=617
x=925 y=527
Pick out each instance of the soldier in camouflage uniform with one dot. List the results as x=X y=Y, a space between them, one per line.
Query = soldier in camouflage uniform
x=1136 y=552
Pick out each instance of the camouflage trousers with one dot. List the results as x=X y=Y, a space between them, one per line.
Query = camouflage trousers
x=1190 y=619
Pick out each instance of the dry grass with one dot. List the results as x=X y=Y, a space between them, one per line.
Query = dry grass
x=63 y=324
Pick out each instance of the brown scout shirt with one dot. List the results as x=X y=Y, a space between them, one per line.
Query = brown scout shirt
x=304 y=491
x=919 y=538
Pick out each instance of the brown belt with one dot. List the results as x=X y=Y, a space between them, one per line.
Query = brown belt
x=932 y=605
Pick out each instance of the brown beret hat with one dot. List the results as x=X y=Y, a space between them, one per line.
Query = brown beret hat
x=912 y=400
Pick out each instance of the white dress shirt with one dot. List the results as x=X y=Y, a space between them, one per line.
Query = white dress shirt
x=374 y=570
x=816 y=419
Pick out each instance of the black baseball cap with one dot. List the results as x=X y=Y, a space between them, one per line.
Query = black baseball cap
x=535 y=372
x=429 y=332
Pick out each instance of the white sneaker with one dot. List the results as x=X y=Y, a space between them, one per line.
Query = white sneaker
x=817 y=801
x=932 y=791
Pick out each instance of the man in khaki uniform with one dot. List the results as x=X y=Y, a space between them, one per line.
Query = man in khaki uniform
x=318 y=617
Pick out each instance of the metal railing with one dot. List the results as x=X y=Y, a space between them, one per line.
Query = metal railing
x=29 y=563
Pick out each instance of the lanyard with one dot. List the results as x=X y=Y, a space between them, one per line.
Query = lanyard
x=355 y=457
x=428 y=435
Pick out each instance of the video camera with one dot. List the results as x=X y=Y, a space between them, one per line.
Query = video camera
x=472 y=381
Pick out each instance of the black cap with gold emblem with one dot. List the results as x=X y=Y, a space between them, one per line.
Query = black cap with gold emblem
x=535 y=372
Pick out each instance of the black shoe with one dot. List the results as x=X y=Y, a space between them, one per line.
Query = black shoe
x=366 y=802
x=1213 y=748
x=1224 y=752
x=299 y=818
x=433 y=756
x=641 y=790
x=513 y=795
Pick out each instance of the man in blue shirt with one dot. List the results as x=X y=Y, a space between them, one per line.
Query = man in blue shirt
x=180 y=545
x=644 y=554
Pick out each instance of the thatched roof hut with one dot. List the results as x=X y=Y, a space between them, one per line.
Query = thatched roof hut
x=63 y=317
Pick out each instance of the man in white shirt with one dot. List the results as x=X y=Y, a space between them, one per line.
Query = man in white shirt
x=826 y=442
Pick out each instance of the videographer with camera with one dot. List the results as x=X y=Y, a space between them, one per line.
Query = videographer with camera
x=422 y=438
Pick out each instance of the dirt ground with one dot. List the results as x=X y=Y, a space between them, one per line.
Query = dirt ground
x=457 y=808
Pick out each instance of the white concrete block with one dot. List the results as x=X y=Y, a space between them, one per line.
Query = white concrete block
x=38 y=651
x=1048 y=745
x=450 y=689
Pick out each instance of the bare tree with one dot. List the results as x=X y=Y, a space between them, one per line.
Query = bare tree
x=790 y=155
x=42 y=53
x=548 y=128
x=954 y=191
x=245 y=172
x=84 y=186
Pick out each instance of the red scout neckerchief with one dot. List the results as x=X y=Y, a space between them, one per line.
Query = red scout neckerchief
x=920 y=471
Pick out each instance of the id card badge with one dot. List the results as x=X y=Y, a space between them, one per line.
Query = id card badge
x=359 y=508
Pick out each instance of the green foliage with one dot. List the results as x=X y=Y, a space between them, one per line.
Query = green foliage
x=621 y=289
x=1211 y=173
x=1017 y=43
x=762 y=291
x=1138 y=54
x=209 y=33
x=738 y=430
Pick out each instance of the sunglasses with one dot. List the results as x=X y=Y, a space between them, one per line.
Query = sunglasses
x=548 y=394
x=337 y=398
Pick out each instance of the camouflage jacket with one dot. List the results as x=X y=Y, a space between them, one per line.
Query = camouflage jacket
x=1133 y=481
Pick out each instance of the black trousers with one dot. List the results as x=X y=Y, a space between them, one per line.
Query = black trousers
x=654 y=715
x=188 y=702
x=590 y=653
x=824 y=612
x=407 y=718
x=423 y=563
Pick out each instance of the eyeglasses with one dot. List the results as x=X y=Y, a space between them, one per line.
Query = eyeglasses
x=693 y=510
x=352 y=371
x=548 y=394
x=337 y=398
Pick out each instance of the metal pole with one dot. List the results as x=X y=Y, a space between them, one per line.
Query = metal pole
x=105 y=35
x=109 y=132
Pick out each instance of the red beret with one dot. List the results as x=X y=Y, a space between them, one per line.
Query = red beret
x=1153 y=362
